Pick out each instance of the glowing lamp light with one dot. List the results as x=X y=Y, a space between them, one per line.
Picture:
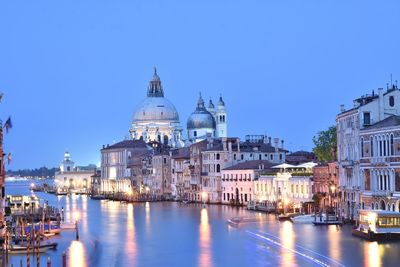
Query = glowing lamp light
x=204 y=195
x=372 y=221
x=32 y=185
x=333 y=188
x=76 y=215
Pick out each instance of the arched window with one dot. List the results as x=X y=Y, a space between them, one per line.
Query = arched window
x=391 y=145
x=391 y=101
x=218 y=156
x=195 y=133
x=362 y=147
x=372 y=146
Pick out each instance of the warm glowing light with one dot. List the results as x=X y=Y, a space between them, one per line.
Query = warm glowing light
x=76 y=215
x=204 y=195
x=76 y=254
x=372 y=221
x=147 y=189
x=32 y=185
x=204 y=240
x=286 y=201
x=373 y=254
x=333 y=188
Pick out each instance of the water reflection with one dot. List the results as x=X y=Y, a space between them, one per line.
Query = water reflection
x=130 y=244
x=204 y=240
x=76 y=255
x=287 y=236
x=334 y=243
x=372 y=254
x=147 y=210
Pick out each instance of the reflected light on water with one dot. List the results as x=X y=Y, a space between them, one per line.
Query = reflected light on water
x=334 y=243
x=76 y=255
x=204 y=240
x=287 y=236
x=372 y=254
x=147 y=209
x=130 y=244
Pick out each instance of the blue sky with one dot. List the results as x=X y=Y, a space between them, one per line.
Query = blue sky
x=73 y=71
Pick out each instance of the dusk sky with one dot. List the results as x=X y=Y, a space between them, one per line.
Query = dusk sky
x=72 y=72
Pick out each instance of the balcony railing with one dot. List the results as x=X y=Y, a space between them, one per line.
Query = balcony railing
x=380 y=160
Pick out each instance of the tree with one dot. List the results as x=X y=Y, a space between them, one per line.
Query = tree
x=325 y=144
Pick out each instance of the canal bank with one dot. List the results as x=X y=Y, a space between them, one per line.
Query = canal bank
x=174 y=234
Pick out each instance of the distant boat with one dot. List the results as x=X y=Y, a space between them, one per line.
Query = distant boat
x=309 y=218
x=98 y=197
x=21 y=249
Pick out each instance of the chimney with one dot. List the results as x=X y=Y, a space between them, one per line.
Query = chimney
x=224 y=143
x=238 y=144
x=269 y=140
x=380 y=104
x=230 y=146
x=104 y=146
x=276 y=141
x=283 y=144
x=265 y=139
x=342 y=109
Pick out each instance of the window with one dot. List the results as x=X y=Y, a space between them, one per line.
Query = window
x=367 y=118
x=260 y=157
x=391 y=145
x=234 y=156
x=195 y=133
x=362 y=147
x=391 y=101
x=218 y=168
x=218 y=156
x=271 y=157
x=242 y=157
x=372 y=146
x=280 y=156
x=165 y=160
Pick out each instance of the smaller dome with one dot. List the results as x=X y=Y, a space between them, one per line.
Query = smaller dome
x=201 y=118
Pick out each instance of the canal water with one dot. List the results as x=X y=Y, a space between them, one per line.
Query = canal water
x=173 y=234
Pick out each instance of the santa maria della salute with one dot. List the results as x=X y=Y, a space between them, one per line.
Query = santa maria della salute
x=157 y=120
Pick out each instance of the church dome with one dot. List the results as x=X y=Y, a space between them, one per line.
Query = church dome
x=201 y=118
x=156 y=109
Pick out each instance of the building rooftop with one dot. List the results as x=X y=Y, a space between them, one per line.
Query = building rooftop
x=252 y=165
x=388 y=122
x=127 y=144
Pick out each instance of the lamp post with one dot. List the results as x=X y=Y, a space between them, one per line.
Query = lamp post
x=204 y=196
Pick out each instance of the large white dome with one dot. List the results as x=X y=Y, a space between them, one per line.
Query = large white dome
x=155 y=109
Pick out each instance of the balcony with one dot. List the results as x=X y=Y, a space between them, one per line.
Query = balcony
x=380 y=161
x=347 y=163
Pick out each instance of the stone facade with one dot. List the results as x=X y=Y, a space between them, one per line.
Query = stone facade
x=367 y=111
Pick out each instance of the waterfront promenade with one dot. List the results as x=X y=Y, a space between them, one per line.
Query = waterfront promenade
x=173 y=234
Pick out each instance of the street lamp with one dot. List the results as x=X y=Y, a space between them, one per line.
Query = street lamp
x=204 y=196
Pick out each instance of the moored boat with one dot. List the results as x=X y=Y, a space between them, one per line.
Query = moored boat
x=378 y=225
x=22 y=249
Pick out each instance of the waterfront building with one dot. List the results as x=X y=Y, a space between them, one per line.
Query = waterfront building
x=207 y=121
x=161 y=176
x=326 y=181
x=286 y=188
x=116 y=175
x=180 y=172
x=2 y=178
x=195 y=168
x=156 y=118
x=226 y=152
x=380 y=165
x=73 y=179
x=238 y=181
x=367 y=110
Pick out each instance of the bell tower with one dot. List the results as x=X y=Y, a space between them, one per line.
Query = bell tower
x=220 y=116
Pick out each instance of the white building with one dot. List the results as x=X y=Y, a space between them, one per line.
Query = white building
x=226 y=152
x=284 y=188
x=238 y=181
x=72 y=178
x=156 y=118
x=367 y=110
x=116 y=173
